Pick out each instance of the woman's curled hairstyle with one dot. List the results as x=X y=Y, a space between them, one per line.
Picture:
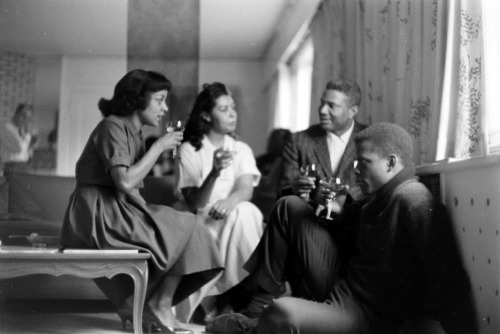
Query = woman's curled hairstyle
x=197 y=124
x=133 y=92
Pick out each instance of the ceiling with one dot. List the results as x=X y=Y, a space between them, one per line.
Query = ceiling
x=228 y=28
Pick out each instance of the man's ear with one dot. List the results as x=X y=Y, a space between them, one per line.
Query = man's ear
x=353 y=111
x=391 y=161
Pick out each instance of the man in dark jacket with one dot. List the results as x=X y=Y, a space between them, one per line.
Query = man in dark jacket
x=328 y=145
x=405 y=262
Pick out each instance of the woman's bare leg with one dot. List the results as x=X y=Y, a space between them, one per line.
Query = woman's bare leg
x=160 y=302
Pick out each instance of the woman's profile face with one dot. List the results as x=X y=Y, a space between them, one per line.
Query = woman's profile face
x=155 y=109
x=223 y=115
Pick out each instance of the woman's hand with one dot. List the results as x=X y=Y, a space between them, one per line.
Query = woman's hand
x=221 y=209
x=222 y=159
x=170 y=140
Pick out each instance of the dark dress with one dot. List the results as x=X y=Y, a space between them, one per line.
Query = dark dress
x=99 y=216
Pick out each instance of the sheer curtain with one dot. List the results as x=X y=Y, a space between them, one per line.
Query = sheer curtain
x=396 y=51
x=462 y=108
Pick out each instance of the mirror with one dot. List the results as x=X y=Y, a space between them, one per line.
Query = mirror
x=36 y=37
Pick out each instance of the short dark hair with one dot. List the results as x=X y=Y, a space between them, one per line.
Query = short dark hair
x=133 y=91
x=22 y=107
x=349 y=88
x=196 y=125
x=387 y=139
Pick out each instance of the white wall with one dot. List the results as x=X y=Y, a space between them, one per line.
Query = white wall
x=244 y=79
x=84 y=80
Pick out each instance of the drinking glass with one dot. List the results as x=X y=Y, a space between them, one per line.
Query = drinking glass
x=310 y=171
x=335 y=185
x=171 y=126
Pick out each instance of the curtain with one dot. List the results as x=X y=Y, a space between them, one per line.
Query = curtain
x=463 y=127
x=396 y=51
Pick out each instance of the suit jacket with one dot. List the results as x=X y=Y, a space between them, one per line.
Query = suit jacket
x=310 y=146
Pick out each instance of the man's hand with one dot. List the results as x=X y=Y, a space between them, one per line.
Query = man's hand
x=303 y=185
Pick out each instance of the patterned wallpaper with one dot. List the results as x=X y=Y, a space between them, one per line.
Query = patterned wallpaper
x=17 y=82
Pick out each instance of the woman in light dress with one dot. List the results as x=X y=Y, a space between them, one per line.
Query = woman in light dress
x=216 y=174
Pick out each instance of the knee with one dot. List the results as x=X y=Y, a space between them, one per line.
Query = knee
x=278 y=317
x=247 y=208
x=292 y=201
x=290 y=206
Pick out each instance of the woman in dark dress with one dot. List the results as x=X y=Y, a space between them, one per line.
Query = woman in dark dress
x=106 y=210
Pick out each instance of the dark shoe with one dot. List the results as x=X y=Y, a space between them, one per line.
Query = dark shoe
x=125 y=317
x=258 y=303
x=232 y=323
x=210 y=316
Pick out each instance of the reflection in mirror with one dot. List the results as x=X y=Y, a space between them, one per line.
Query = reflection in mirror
x=38 y=41
x=32 y=80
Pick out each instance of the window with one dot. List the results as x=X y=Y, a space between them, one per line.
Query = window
x=294 y=88
x=491 y=71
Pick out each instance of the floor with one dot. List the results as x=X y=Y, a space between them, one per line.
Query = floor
x=63 y=317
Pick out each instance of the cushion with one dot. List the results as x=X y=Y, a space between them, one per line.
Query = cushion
x=159 y=190
x=21 y=227
x=41 y=197
x=4 y=195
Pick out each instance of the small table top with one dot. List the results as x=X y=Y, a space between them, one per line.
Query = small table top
x=19 y=252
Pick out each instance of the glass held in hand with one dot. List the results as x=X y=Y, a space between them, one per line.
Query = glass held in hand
x=172 y=126
x=334 y=185
x=308 y=170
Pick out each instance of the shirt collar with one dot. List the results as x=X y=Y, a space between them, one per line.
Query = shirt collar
x=345 y=136
x=132 y=127
x=228 y=142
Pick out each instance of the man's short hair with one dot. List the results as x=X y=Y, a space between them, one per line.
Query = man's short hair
x=387 y=139
x=349 y=88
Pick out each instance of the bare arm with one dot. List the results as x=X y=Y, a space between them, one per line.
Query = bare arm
x=198 y=197
x=10 y=139
x=127 y=178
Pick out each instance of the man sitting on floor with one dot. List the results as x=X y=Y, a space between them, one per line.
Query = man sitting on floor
x=405 y=262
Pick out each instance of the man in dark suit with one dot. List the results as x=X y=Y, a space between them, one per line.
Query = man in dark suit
x=328 y=145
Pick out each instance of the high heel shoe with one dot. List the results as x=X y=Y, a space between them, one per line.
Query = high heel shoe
x=150 y=320
x=126 y=316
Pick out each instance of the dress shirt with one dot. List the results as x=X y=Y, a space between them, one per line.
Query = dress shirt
x=336 y=147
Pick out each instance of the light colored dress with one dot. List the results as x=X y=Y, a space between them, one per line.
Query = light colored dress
x=239 y=233
x=14 y=149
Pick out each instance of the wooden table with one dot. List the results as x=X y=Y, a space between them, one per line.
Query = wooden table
x=94 y=264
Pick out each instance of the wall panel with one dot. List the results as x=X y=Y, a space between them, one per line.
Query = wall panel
x=470 y=189
x=472 y=197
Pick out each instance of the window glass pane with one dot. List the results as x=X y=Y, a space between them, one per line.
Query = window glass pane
x=294 y=91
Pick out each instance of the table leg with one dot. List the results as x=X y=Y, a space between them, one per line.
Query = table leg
x=140 y=283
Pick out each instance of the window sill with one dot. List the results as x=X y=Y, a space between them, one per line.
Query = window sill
x=451 y=165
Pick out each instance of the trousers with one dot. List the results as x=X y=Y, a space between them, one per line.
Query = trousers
x=297 y=247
